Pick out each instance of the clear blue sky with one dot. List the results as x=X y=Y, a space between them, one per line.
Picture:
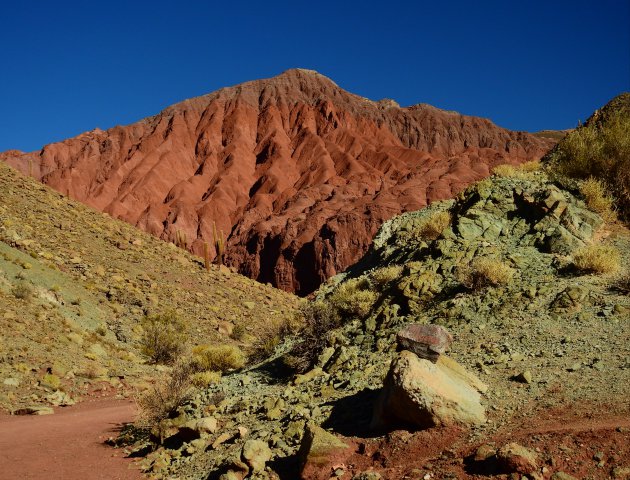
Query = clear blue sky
x=68 y=67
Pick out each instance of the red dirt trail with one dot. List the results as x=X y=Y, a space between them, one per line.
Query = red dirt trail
x=67 y=445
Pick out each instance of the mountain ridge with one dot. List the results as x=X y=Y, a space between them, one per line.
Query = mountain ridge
x=296 y=171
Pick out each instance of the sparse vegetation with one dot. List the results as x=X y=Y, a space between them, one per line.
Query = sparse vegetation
x=623 y=282
x=320 y=317
x=354 y=298
x=523 y=171
x=485 y=272
x=238 y=332
x=270 y=334
x=219 y=243
x=597 y=198
x=599 y=259
x=163 y=338
x=169 y=392
x=23 y=291
x=217 y=358
x=600 y=149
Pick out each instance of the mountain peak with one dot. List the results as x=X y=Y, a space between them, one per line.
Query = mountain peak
x=298 y=172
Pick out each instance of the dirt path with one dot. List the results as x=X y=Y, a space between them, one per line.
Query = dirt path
x=67 y=445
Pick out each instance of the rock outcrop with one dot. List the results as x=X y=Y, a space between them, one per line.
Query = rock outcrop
x=298 y=173
x=422 y=394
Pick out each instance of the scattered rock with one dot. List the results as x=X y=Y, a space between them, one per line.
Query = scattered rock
x=426 y=341
x=524 y=377
x=517 y=459
x=34 y=410
x=562 y=476
x=319 y=448
x=484 y=452
x=256 y=454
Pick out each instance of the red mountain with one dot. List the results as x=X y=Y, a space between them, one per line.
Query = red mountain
x=298 y=172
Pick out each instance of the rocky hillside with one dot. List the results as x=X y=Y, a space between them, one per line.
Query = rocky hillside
x=75 y=285
x=297 y=173
x=529 y=283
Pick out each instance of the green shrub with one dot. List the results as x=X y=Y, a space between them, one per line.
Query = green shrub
x=354 y=297
x=485 y=272
x=600 y=149
x=217 y=358
x=164 y=337
x=601 y=259
x=320 y=318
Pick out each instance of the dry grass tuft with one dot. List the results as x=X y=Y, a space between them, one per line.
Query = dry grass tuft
x=434 y=225
x=217 y=358
x=384 y=275
x=597 y=198
x=485 y=272
x=205 y=379
x=354 y=298
x=523 y=171
x=599 y=259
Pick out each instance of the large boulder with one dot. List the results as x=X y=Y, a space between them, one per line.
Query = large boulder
x=421 y=394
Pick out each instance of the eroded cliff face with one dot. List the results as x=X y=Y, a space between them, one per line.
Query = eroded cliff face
x=297 y=172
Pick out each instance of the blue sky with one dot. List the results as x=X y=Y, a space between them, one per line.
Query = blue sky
x=68 y=67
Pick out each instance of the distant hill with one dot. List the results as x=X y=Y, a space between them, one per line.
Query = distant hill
x=75 y=285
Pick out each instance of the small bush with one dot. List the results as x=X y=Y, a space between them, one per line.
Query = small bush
x=23 y=291
x=601 y=259
x=434 y=225
x=205 y=379
x=169 y=392
x=354 y=298
x=384 y=275
x=597 y=199
x=238 y=332
x=270 y=334
x=320 y=317
x=217 y=358
x=600 y=149
x=485 y=272
x=164 y=337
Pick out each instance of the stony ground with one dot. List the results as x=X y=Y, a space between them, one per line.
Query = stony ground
x=74 y=286
x=552 y=344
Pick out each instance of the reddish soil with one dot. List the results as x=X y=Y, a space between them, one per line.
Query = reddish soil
x=564 y=442
x=68 y=444
x=297 y=172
